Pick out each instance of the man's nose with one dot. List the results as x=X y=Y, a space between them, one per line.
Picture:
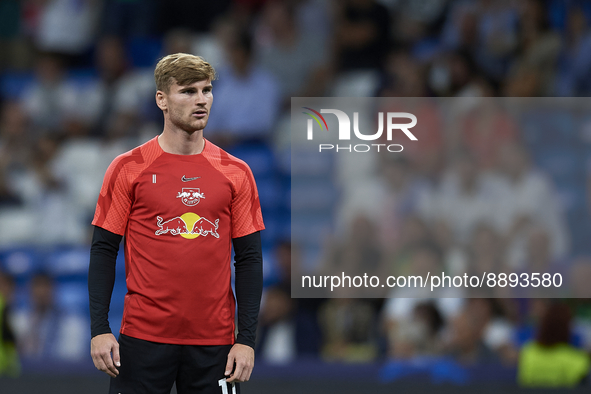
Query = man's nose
x=201 y=98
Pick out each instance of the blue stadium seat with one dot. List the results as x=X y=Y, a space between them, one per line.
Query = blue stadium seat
x=272 y=228
x=284 y=231
x=21 y=262
x=144 y=52
x=310 y=228
x=72 y=296
x=120 y=265
x=549 y=128
x=118 y=296
x=270 y=193
x=259 y=158
x=313 y=194
x=82 y=77
x=13 y=85
x=560 y=163
x=572 y=193
x=68 y=261
x=286 y=192
x=311 y=163
x=115 y=319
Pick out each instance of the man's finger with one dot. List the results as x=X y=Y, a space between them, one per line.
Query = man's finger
x=248 y=375
x=116 y=357
x=229 y=364
x=100 y=365
x=237 y=373
x=109 y=363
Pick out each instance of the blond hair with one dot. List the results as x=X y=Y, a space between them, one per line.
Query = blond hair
x=183 y=69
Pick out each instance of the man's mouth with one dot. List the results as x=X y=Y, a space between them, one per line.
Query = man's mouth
x=200 y=113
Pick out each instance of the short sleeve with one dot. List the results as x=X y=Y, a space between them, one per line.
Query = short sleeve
x=114 y=202
x=246 y=208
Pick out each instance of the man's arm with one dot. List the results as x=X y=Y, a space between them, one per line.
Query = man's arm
x=249 y=288
x=101 y=279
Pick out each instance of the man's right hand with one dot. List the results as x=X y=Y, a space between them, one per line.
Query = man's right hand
x=101 y=347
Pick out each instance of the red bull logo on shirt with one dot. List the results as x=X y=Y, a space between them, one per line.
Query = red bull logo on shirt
x=189 y=225
x=190 y=196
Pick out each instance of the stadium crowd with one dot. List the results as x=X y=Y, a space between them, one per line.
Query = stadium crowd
x=77 y=89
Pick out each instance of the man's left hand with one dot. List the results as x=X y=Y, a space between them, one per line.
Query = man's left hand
x=243 y=356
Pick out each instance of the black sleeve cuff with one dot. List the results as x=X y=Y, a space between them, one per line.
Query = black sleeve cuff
x=101 y=278
x=248 y=265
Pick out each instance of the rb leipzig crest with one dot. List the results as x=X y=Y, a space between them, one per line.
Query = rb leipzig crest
x=190 y=196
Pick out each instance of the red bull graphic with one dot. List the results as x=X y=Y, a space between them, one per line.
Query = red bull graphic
x=204 y=226
x=180 y=225
x=190 y=196
x=175 y=226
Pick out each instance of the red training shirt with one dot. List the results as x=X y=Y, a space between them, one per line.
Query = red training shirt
x=178 y=214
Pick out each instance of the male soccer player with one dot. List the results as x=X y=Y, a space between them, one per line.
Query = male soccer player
x=180 y=201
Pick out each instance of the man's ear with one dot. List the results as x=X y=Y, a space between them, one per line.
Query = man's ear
x=161 y=100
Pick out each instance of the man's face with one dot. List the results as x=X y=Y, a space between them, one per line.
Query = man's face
x=187 y=106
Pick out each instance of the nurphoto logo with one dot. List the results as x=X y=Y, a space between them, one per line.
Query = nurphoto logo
x=344 y=132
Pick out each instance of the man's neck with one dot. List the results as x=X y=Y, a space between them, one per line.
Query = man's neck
x=180 y=142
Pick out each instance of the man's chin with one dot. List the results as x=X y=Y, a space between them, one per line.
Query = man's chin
x=194 y=126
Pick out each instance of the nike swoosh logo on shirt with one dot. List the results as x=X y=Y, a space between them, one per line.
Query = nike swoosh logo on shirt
x=185 y=179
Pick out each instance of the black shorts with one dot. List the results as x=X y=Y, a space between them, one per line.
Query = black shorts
x=152 y=368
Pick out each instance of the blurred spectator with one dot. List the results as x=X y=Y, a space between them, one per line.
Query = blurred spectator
x=418 y=336
x=50 y=100
x=578 y=279
x=112 y=105
x=14 y=150
x=349 y=330
x=362 y=34
x=293 y=55
x=13 y=45
x=414 y=235
x=550 y=361
x=483 y=130
x=533 y=70
x=486 y=30
x=539 y=257
x=15 y=137
x=465 y=339
x=527 y=198
x=178 y=41
x=400 y=192
x=574 y=65
x=465 y=198
x=403 y=76
x=44 y=332
x=46 y=193
x=277 y=337
x=67 y=27
x=247 y=97
x=486 y=250
x=9 y=363
x=358 y=254
x=422 y=259
x=414 y=20
x=288 y=328
x=7 y=288
x=129 y=18
x=455 y=74
x=500 y=330
x=174 y=14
